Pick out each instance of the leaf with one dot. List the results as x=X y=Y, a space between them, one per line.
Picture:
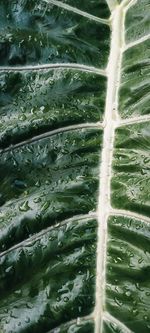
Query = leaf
x=68 y=97
x=74 y=167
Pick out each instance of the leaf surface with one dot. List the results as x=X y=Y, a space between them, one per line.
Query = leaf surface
x=74 y=166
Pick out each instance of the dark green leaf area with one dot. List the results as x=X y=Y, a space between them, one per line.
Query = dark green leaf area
x=35 y=32
x=128 y=272
x=134 y=94
x=95 y=7
x=48 y=181
x=137 y=21
x=35 y=102
x=78 y=326
x=131 y=169
x=49 y=279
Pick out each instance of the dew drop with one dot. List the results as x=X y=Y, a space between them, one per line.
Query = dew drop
x=18 y=292
x=128 y=293
x=9 y=269
x=66 y=299
x=118 y=302
x=143 y=172
x=24 y=207
x=27 y=320
x=135 y=312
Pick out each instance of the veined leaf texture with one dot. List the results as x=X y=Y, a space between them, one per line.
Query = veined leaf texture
x=74 y=166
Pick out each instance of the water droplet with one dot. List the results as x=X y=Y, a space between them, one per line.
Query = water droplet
x=138 y=286
x=9 y=269
x=45 y=205
x=147 y=293
x=143 y=172
x=78 y=320
x=146 y=160
x=36 y=200
x=24 y=207
x=42 y=108
x=60 y=244
x=19 y=184
x=27 y=320
x=38 y=184
x=135 y=312
x=23 y=117
x=29 y=305
x=140 y=260
x=128 y=293
x=18 y=292
x=118 y=302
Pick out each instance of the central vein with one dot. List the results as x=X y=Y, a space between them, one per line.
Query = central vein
x=110 y=120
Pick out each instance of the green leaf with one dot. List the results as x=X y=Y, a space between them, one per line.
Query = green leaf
x=74 y=166
x=36 y=32
x=66 y=98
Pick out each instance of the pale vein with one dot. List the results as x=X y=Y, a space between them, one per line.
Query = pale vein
x=130 y=214
x=77 y=11
x=51 y=133
x=134 y=120
x=38 y=235
x=107 y=316
x=137 y=42
x=72 y=66
x=111 y=118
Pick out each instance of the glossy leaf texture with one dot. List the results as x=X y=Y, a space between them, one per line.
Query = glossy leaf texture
x=39 y=32
x=55 y=75
x=67 y=97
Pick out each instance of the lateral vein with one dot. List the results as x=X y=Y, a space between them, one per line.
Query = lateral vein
x=127 y=3
x=38 y=235
x=112 y=319
x=77 y=11
x=73 y=321
x=136 y=42
x=73 y=66
x=127 y=213
x=134 y=120
x=51 y=133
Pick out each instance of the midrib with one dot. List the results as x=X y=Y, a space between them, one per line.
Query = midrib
x=111 y=120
